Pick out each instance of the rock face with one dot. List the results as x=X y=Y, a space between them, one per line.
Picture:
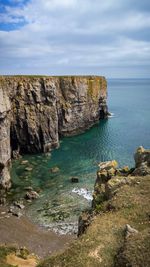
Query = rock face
x=5 y=150
x=110 y=179
x=35 y=111
x=142 y=161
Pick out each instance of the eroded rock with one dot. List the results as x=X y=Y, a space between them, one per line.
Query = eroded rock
x=142 y=162
x=35 y=111
x=54 y=169
x=130 y=230
x=30 y=195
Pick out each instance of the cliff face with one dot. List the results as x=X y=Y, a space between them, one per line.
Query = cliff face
x=35 y=111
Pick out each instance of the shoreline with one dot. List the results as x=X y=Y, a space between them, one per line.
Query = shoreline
x=22 y=232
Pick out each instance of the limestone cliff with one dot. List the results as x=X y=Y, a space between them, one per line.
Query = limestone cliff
x=35 y=111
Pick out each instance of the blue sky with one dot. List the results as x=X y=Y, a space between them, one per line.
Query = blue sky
x=57 y=37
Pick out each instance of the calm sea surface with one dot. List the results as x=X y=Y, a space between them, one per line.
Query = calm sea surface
x=60 y=201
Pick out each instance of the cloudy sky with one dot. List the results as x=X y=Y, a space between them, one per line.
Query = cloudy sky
x=57 y=37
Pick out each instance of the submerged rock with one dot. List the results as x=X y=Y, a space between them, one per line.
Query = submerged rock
x=74 y=179
x=29 y=188
x=28 y=169
x=19 y=204
x=54 y=169
x=31 y=195
x=24 y=162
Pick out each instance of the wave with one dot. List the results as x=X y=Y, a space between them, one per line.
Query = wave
x=111 y=115
x=83 y=192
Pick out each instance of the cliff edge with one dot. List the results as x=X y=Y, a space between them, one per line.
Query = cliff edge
x=35 y=111
x=116 y=232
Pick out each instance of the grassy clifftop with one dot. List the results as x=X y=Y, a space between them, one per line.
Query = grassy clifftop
x=104 y=243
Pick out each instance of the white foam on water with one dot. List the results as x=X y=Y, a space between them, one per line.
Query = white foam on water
x=63 y=228
x=111 y=115
x=83 y=192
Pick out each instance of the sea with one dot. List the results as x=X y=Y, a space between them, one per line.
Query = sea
x=116 y=138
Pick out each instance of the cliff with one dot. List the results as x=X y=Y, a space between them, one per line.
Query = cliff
x=35 y=111
x=115 y=232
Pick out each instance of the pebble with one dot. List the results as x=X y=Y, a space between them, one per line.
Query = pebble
x=29 y=169
x=24 y=162
x=3 y=212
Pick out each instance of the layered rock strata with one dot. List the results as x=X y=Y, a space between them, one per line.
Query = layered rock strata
x=35 y=111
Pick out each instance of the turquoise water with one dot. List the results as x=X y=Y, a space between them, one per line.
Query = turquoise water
x=115 y=138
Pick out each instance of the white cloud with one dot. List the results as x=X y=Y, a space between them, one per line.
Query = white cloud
x=73 y=35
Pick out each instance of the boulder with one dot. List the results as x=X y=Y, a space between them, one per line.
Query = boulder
x=102 y=176
x=28 y=169
x=19 y=204
x=142 y=155
x=2 y=200
x=130 y=230
x=74 y=179
x=31 y=195
x=142 y=162
x=55 y=169
x=16 y=154
x=107 y=165
x=24 y=162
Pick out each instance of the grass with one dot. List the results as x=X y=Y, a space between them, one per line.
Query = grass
x=11 y=256
x=49 y=76
x=4 y=251
x=104 y=238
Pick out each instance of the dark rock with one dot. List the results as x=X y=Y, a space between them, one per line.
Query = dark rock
x=28 y=169
x=19 y=204
x=29 y=188
x=74 y=179
x=2 y=200
x=14 y=210
x=84 y=222
x=17 y=213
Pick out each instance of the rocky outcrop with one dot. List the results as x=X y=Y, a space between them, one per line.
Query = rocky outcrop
x=35 y=111
x=142 y=161
x=110 y=178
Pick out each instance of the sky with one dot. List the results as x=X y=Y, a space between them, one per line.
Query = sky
x=71 y=37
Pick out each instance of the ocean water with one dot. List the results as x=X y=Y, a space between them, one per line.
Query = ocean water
x=61 y=201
